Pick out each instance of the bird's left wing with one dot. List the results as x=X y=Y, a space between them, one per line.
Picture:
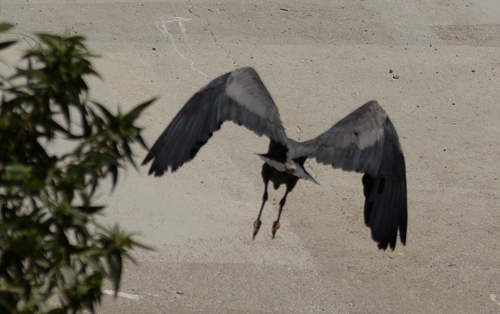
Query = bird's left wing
x=366 y=141
x=239 y=96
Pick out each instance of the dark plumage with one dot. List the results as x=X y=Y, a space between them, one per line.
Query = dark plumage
x=364 y=141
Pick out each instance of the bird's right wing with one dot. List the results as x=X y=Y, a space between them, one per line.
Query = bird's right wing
x=239 y=96
x=366 y=141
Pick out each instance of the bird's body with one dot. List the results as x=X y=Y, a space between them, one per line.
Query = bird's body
x=364 y=141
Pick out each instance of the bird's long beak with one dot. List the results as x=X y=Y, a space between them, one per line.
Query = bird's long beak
x=300 y=172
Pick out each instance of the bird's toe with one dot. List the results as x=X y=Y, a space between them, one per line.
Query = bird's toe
x=276 y=226
x=256 y=227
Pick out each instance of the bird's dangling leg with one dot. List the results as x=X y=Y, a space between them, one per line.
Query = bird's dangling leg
x=290 y=184
x=257 y=223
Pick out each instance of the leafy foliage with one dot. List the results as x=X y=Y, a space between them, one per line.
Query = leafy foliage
x=54 y=257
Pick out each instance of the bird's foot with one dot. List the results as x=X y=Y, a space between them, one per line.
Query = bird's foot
x=276 y=226
x=256 y=227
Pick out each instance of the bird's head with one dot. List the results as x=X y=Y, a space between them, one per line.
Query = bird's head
x=290 y=165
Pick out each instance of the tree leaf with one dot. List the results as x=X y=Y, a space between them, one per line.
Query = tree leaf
x=5 y=27
x=114 y=260
x=133 y=114
x=7 y=44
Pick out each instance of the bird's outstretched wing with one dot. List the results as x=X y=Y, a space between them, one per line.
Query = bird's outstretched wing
x=239 y=96
x=366 y=141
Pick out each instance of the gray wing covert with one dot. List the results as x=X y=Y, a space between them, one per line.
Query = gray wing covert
x=355 y=143
x=239 y=96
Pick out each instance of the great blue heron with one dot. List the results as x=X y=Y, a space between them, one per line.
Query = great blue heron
x=364 y=141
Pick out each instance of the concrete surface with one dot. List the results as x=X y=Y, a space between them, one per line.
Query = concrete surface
x=320 y=60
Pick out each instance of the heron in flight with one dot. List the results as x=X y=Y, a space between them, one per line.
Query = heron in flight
x=364 y=141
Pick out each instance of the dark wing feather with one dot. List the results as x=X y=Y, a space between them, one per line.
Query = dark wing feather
x=239 y=96
x=366 y=141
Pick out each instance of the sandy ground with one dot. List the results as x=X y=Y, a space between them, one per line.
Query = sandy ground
x=320 y=60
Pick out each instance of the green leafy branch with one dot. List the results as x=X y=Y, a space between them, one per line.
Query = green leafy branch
x=53 y=255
